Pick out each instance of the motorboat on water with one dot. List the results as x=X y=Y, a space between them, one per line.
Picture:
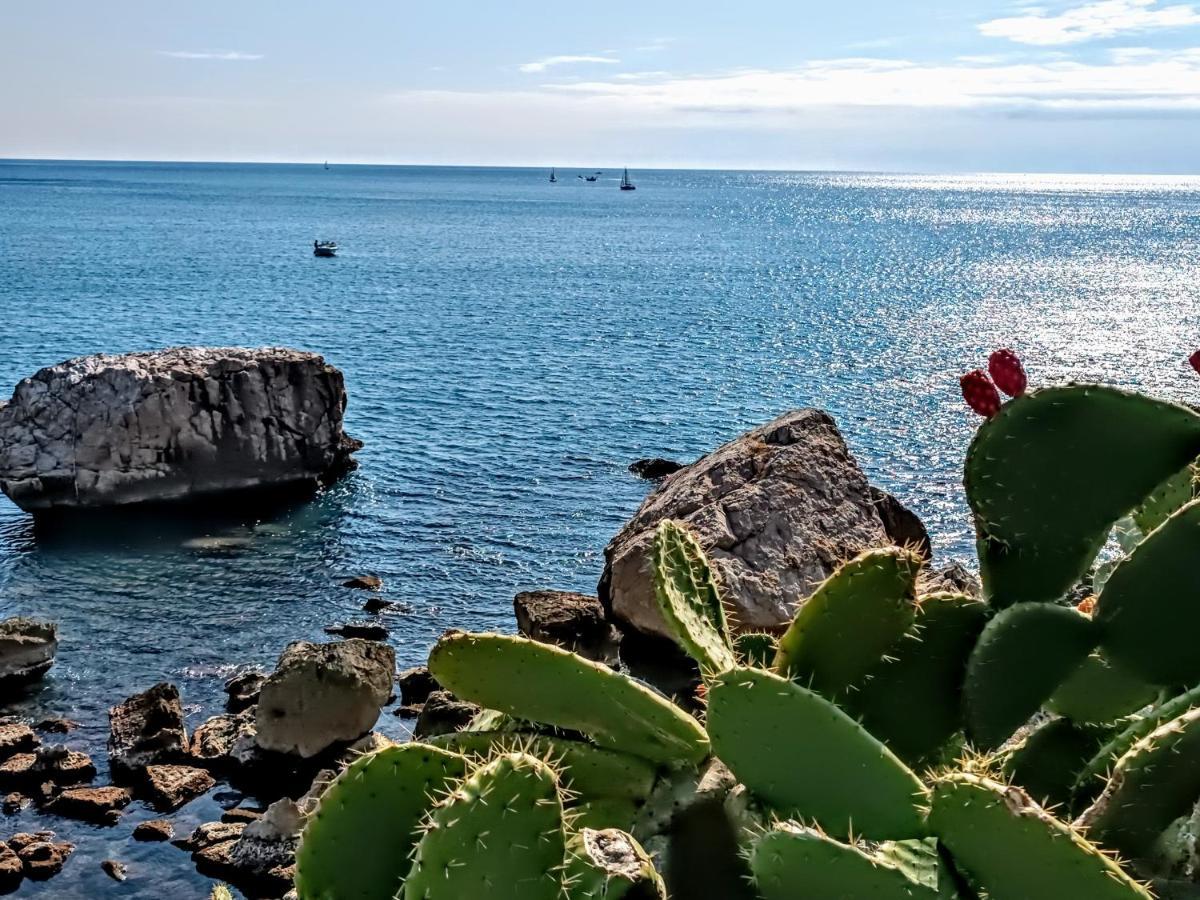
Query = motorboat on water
x=325 y=248
x=626 y=184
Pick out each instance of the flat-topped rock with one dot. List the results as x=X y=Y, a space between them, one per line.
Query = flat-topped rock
x=27 y=646
x=182 y=423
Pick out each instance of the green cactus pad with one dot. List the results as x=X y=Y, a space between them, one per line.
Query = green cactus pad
x=1148 y=610
x=543 y=683
x=1100 y=691
x=603 y=812
x=688 y=598
x=756 y=649
x=806 y=758
x=1165 y=499
x=1022 y=656
x=608 y=864
x=790 y=862
x=1048 y=761
x=850 y=622
x=1015 y=850
x=1049 y=474
x=1094 y=775
x=585 y=769
x=912 y=701
x=1153 y=784
x=497 y=836
x=356 y=845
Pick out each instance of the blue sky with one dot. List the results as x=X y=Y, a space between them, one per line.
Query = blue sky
x=970 y=85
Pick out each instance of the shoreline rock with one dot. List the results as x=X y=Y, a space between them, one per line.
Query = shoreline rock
x=27 y=649
x=145 y=729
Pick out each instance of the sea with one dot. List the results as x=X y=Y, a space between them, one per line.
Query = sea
x=510 y=345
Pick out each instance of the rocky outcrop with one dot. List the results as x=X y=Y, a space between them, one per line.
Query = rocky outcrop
x=170 y=787
x=145 y=729
x=777 y=509
x=573 y=621
x=654 y=468
x=323 y=694
x=101 y=431
x=27 y=646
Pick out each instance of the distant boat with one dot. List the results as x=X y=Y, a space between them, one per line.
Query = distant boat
x=590 y=178
x=326 y=165
x=626 y=184
x=553 y=177
x=325 y=248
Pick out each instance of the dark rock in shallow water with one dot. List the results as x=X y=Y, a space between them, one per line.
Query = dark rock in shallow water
x=147 y=728
x=654 y=467
x=92 y=804
x=243 y=690
x=16 y=737
x=103 y=431
x=15 y=802
x=903 y=526
x=41 y=856
x=117 y=871
x=56 y=725
x=368 y=631
x=170 y=787
x=443 y=713
x=377 y=604
x=364 y=582
x=154 y=830
x=416 y=684
x=27 y=647
x=573 y=621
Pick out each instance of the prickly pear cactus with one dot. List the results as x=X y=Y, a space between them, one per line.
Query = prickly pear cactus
x=536 y=681
x=1046 y=764
x=688 y=597
x=1148 y=611
x=356 y=845
x=1153 y=784
x=1022 y=656
x=1015 y=849
x=791 y=861
x=1050 y=473
x=851 y=621
x=609 y=864
x=806 y=758
x=499 y=835
x=1100 y=691
x=755 y=649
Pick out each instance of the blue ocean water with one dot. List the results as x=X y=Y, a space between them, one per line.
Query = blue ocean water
x=509 y=347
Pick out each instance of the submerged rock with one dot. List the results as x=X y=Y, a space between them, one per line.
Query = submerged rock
x=655 y=467
x=102 y=431
x=323 y=694
x=368 y=631
x=117 y=871
x=364 y=582
x=147 y=728
x=27 y=646
x=777 y=509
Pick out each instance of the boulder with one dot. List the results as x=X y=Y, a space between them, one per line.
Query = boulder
x=266 y=850
x=322 y=694
x=12 y=870
x=92 y=804
x=187 y=422
x=147 y=728
x=954 y=577
x=115 y=870
x=243 y=690
x=16 y=737
x=154 y=830
x=27 y=646
x=777 y=509
x=364 y=582
x=44 y=858
x=443 y=713
x=14 y=803
x=368 y=631
x=212 y=742
x=170 y=787
x=654 y=467
x=416 y=684
x=573 y=621
x=56 y=725
x=903 y=526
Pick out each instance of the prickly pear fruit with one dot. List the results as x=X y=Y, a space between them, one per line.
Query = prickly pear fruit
x=979 y=392
x=1007 y=372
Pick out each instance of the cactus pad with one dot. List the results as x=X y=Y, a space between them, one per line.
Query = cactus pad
x=1156 y=782
x=688 y=598
x=357 y=843
x=791 y=861
x=1050 y=473
x=1013 y=848
x=806 y=758
x=1048 y=761
x=850 y=622
x=756 y=649
x=608 y=864
x=499 y=835
x=1148 y=610
x=1100 y=691
x=1165 y=499
x=543 y=683
x=912 y=701
x=1022 y=656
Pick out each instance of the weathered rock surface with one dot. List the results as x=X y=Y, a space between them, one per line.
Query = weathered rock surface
x=416 y=684
x=147 y=728
x=777 y=509
x=12 y=870
x=115 y=870
x=443 y=713
x=243 y=690
x=213 y=742
x=170 y=787
x=154 y=830
x=954 y=578
x=92 y=804
x=364 y=582
x=573 y=621
x=16 y=737
x=904 y=527
x=27 y=646
x=41 y=856
x=322 y=694
x=104 y=430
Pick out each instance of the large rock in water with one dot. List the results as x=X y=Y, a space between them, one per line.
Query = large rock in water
x=27 y=648
x=777 y=509
x=104 y=430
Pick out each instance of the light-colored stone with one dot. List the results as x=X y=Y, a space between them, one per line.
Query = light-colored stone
x=171 y=424
x=777 y=509
x=170 y=787
x=27 y=646
x=323 y=694
x=212 y=742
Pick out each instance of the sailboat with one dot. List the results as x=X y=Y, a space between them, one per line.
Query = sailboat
x=553 y=177
x=626 y=184
x=326 y=165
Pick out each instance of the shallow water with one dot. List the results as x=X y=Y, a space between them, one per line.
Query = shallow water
x=509 y=347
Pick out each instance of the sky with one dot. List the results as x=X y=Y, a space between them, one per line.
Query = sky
x=940 y=85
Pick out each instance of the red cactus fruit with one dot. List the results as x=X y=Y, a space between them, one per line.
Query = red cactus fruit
x=979 y=392
x=1194 y=359
x=1007 y=372
x=1087 y=604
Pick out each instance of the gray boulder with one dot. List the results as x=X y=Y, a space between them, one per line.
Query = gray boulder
x=104 y=430
x=27 y=648
x=323 y=694
x=146 y=729
x=777 y=509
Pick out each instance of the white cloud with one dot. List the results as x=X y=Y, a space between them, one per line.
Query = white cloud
x=1104 y=19
x=542 y=65
x=226 y=55
x=655 y=44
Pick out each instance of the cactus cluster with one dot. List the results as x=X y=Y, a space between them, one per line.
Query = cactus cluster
x=885 y=744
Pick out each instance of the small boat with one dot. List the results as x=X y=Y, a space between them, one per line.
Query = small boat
x=626 y=184
x=590 y=178
x=325 y=248
x=326 y=165
x=553 y=177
